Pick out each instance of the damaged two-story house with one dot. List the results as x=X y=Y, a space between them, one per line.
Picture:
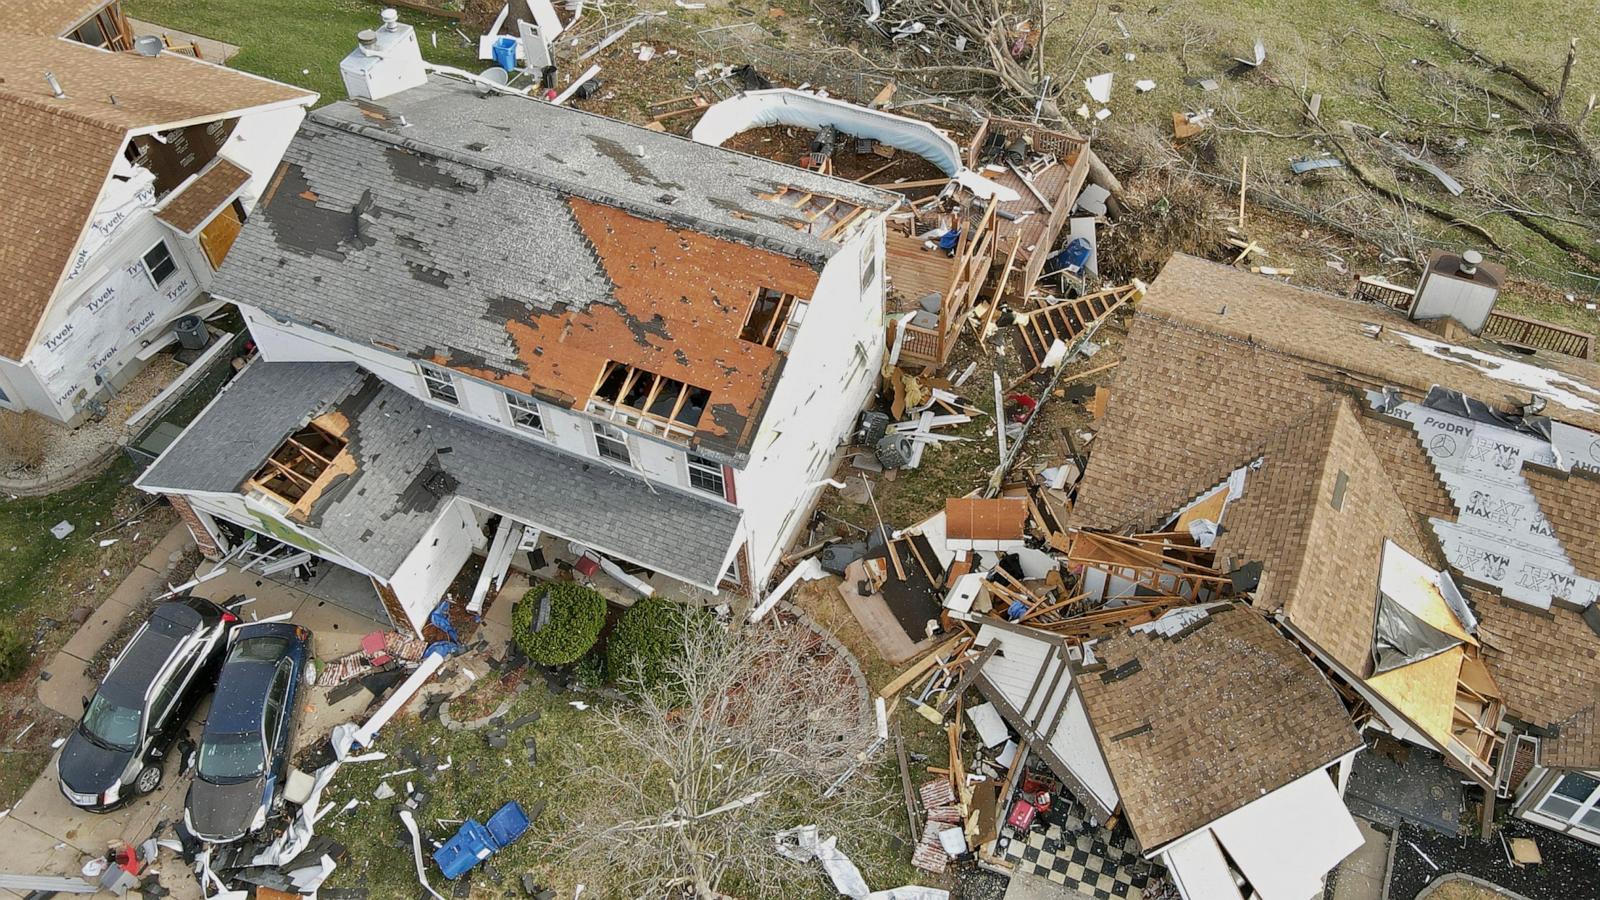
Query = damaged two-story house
x=486 y=319
x=128 y=170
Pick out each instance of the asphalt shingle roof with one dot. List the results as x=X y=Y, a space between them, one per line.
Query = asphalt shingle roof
x=401 y=444
x=1197 y=725
x=247 y=422
x=58 y=152
x=532 y=245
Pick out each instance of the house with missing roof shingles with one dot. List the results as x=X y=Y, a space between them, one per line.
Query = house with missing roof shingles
x=127 y=175
x=488 y=323
x=1213 y=736
x=1417 y=513
x=1308 y=522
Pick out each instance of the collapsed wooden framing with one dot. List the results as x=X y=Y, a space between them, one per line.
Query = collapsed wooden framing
x=304 y=465
x=819 y=214
x=1070 y=321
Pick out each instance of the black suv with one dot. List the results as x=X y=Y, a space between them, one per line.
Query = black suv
x=141 y=705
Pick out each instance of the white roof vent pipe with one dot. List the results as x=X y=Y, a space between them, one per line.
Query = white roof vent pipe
x=388 y=61
x=55 y=86
x=1470 y=261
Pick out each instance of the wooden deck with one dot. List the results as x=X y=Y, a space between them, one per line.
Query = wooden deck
x=914 y=272
x=1032 y=219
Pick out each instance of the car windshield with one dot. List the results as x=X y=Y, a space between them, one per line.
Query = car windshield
x=111 y=724
x=231 y=757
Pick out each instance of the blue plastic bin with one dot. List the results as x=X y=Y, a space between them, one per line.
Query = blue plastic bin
x=507 y=824
x=474 y=842
x=505 y=52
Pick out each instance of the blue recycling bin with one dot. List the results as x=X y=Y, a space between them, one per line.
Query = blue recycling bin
x=475 y=842
x=505 y=52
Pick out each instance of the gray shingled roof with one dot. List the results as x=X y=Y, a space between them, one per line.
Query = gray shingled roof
x=378 y=515
x=442 y=256
x=249 y=420
x=706 y=188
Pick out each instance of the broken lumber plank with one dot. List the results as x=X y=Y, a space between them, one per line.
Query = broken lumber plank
x=968 y=677
x=920 y=666
x=905 y=782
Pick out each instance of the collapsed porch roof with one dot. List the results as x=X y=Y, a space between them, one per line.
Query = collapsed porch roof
x=411 y=459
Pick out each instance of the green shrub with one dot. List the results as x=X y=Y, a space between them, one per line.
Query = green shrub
x=591 y=671
x=14 y=655
x=647 y=636
x=576 y=616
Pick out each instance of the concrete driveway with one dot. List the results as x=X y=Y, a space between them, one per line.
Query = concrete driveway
x=46 y=835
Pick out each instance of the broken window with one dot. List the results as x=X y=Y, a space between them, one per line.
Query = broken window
x=774 y=319
x=706 y=475
x=611 y=443
x=291 y=474
x=647 y=401
x=103 y=30
x=158 y=263
x=441 y=385
x=821 y=215
x=524 y=413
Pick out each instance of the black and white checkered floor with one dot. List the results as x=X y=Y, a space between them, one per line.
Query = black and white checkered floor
x=1086 y=858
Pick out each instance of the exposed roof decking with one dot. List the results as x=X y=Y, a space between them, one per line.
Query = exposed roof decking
x=492 y=258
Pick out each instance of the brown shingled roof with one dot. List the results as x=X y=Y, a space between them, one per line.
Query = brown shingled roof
x=59 y=152
x=1547 y=663
x=188 y=208
x=1186 y=408
x=1321 y=563
x=1576 y=744
x=1328 y=330
x=1571 y=501
x=48 y=17
x=1209 y=720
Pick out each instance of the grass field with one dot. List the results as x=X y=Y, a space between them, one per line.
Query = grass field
x=298 y=41
x=40 y=575
x=1373 y=67
x=43 y=579
x=478 y=780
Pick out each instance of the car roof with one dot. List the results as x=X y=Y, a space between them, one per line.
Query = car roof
x=129 y=680
x=242 y=687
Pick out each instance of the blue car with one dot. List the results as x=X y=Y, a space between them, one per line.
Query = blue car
x=244 y=749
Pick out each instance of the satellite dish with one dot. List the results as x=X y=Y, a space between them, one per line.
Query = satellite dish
x=148 y=45
x=494 y=75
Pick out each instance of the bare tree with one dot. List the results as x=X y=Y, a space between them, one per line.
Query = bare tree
x=743 y=737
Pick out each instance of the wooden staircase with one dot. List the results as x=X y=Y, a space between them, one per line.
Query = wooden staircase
x=1071 y=321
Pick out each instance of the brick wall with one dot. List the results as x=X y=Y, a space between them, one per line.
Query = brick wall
x=202 y=537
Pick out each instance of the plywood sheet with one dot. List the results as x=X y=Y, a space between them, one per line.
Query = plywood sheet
x=1424 y=692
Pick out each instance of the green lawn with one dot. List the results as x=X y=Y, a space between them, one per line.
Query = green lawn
x=43 y=579
x=38 y=572
x=1372 y=67
x=299 y=41
x=479 y=780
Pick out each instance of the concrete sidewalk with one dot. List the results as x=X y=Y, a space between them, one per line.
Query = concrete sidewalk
x=44 y=834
